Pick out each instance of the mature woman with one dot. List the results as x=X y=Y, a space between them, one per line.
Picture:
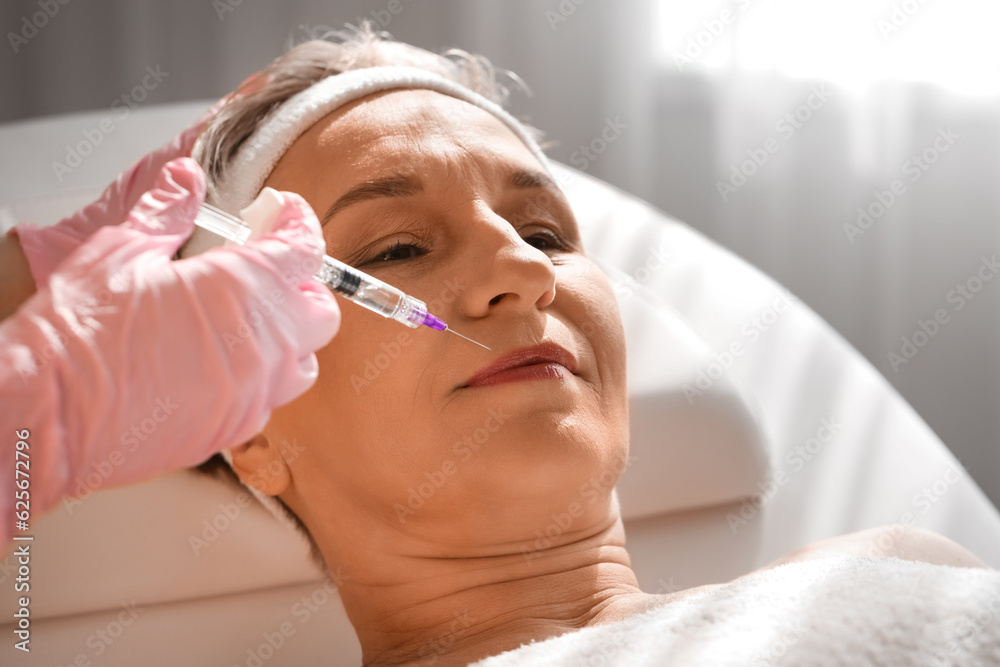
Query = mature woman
x=435 y=191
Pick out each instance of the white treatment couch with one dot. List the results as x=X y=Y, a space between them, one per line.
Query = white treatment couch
x=118 y=580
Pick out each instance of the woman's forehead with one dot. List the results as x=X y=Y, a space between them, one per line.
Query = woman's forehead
x=402 y=132
x=407 y=125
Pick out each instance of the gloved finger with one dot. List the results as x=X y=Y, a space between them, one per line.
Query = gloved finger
x=168 y=210
x=295 y=246
x=272 y=211
x=299 y=255
x=157 y=225
x=327 y=316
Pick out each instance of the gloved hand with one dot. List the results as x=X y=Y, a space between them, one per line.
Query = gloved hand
x=46 y=247
x=131 y=365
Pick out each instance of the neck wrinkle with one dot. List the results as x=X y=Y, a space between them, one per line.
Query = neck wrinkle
x=489 y=608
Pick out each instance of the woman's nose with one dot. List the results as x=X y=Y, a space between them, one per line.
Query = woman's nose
x=506 y=273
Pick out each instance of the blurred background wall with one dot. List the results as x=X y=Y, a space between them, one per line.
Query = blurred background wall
x=849 y=149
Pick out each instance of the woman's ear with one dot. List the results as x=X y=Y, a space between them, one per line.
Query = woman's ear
x=259 y=464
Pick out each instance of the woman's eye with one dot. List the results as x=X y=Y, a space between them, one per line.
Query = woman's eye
x=545 y=241
x=398 y=251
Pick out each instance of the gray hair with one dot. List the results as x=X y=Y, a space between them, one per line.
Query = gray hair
x=328 y=53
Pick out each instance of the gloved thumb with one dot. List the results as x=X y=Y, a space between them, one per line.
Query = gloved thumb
x=168 y=209
x=288 y=217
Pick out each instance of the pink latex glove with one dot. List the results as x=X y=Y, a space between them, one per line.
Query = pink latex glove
x=46 y=247
x=130 y=364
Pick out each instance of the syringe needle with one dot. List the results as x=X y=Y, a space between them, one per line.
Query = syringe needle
x=467 y=338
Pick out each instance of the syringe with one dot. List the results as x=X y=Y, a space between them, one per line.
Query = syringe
x=343 y=279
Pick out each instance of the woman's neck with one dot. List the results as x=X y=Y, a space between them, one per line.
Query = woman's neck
x=453 y=611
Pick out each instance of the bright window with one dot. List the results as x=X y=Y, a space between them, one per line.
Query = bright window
x=955 y=43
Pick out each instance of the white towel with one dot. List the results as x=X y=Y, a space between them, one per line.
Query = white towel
x=832 y=611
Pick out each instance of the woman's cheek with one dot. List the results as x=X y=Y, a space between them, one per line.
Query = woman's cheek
x=603 y=314
x=591 y=304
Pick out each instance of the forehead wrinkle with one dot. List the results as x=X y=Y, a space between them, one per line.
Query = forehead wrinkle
x=424 y=116
x=465 y=169
x=381 y=138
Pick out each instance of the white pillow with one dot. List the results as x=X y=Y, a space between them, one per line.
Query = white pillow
x=695 y=439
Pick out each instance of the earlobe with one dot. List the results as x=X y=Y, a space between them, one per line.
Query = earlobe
x=259 y=464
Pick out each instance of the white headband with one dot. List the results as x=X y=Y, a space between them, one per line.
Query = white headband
x=244 y=177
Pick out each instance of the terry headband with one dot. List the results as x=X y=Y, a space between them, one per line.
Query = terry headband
x=244 y=177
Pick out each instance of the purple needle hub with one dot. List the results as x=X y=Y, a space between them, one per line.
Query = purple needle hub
x=433 y=322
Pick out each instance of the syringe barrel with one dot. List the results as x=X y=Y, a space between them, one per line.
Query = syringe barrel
x=350 y=283
x=371 y=293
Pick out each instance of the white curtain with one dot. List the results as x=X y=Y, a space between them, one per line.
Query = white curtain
x=879 y=205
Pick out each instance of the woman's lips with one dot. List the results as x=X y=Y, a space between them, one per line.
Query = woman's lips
x=541 y=362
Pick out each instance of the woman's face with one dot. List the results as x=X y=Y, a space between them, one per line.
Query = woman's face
x=393 y=446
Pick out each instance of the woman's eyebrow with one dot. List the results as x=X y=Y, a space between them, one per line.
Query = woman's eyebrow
x=523 y=179
x=389 y=186
x=400 y=185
